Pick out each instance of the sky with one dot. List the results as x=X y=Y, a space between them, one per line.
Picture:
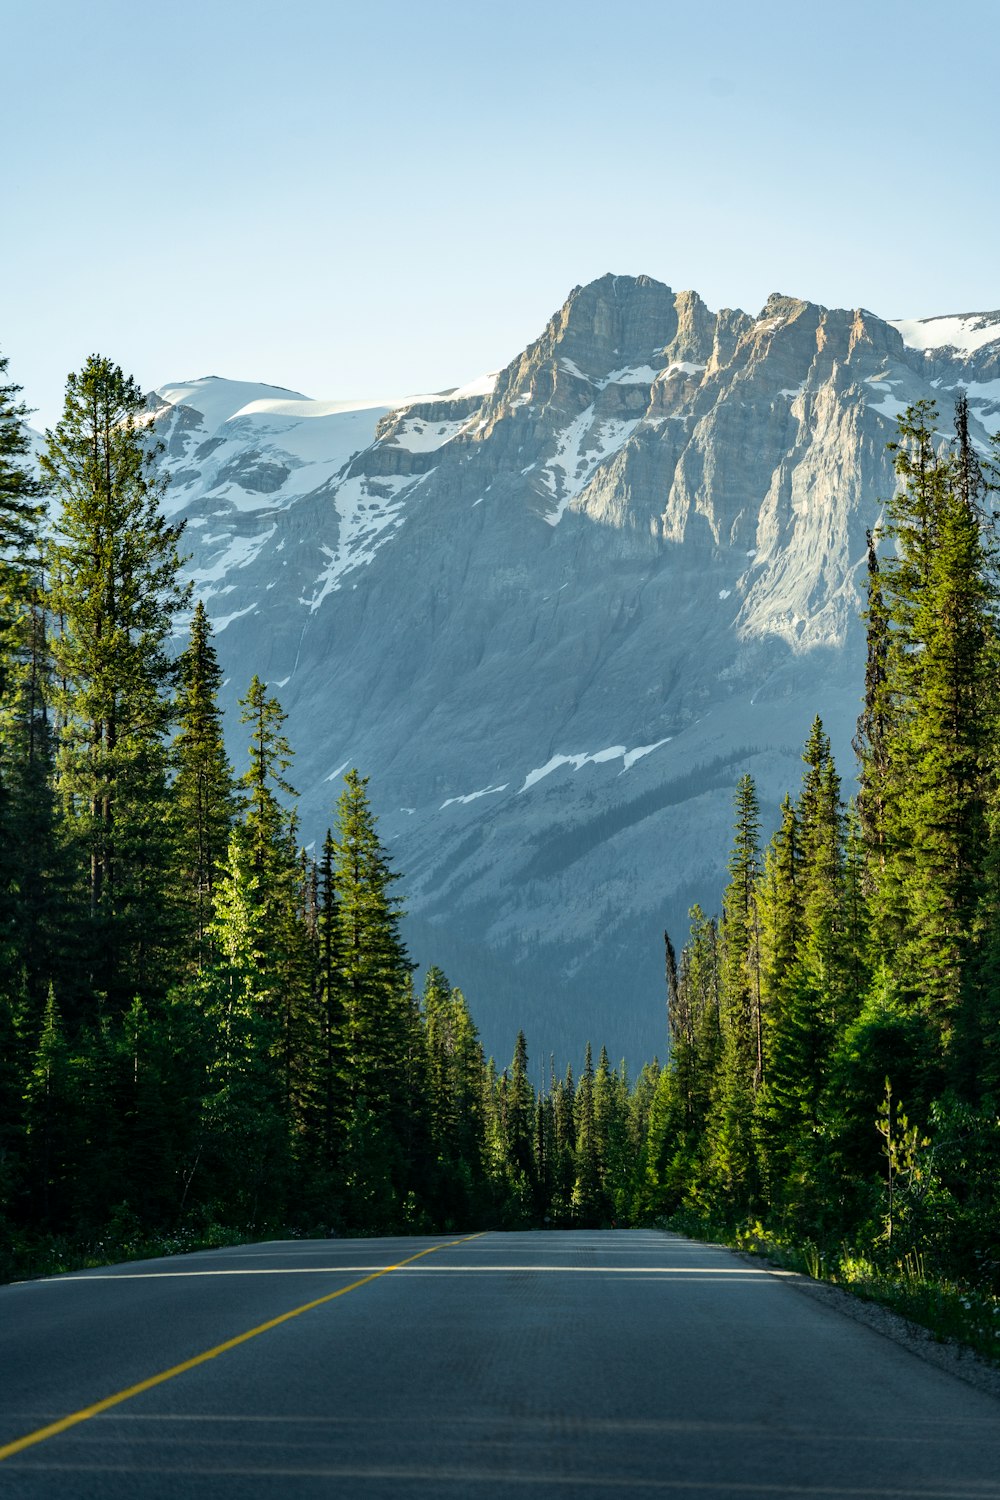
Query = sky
x=369 y=198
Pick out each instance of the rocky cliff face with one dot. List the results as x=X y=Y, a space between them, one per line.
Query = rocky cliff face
x=554 y=615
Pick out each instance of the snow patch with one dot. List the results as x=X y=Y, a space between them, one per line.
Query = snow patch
x=627 y=375
x=240 y=553
x=632 y=375
x=220 y=622
x=633 y=755
x=417 y=435
x=338 y=772
x=597 y=757
x=965 y=332
x=582 y=447
x=682 y=367
x=574 y=369
x=889 y=406
x=367 y=521
x=487 y=791
x=984 y=403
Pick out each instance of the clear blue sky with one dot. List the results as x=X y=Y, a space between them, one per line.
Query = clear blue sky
x=382 y=196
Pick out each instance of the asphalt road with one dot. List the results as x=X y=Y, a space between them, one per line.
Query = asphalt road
x=506 y=1365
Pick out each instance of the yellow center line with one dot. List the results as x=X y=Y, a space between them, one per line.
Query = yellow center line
x=86 y=1412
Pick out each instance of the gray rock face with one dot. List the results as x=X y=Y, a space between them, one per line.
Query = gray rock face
x=555 y=616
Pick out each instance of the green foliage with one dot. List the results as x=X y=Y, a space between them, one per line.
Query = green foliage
x=113 y=591
x=202 y=801
x=851 y=1103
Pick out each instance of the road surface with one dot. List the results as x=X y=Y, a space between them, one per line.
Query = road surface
x=624 y=1363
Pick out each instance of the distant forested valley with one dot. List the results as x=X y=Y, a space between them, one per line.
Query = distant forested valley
x=207 y=1031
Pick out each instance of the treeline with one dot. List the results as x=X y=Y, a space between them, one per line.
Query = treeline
x=201 y=1026
x=835 y=1038
x=205 y=1028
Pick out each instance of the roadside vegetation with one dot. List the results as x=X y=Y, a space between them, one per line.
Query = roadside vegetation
x=833 y=1080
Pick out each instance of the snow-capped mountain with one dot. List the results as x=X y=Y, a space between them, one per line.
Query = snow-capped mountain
x=555 y=614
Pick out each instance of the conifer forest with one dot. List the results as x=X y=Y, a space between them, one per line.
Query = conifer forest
x=206 y=1031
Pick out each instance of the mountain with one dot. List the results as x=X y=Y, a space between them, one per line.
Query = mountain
x=555 y=614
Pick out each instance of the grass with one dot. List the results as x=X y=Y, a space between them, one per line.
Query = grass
x=948 y=1310
x=28 y=1257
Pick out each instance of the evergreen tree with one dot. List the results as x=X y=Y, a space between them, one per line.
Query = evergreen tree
x=332 y=1013
x=937 y=762
x=52 y=1122
x=20 y=512
x=590 y=1207
x=454 y=1101
x=203 y=794
x=680 y=1098
x=375 y=986
x=519 y=1126
x=950 y=753
x=114 y=591
x=871 y=741
x=27 y=852
x=563 y=1169
x=733 y=1154
x=279 y=952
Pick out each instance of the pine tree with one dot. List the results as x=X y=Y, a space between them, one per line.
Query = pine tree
x=810 y=971
x=114 y=591
x=590 y=1206
x=614 y=1147
x=35 y=925
x=950 y=750
x=871 y=741
x=26 y=822
x=454 y=1101
x=520 y=1115
x=332 y=1013
x=375 y=985
x=20 y=512
x=52 y=1122
x=282 y=982
x=202 y=794
x=733 y=1154
x=938 y=766
x=564 y=1163
x=681 y=1096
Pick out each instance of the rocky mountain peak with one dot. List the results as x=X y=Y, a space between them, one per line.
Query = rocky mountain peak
x=556 y=616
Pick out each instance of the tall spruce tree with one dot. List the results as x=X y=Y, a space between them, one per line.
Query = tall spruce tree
x=25 y=799
x=332 y=1089
x=283 y=986
x=808 y=995
x=114 y=590
x=590 y=1207
x=20 y=513
x=740 y=1074
x=203 y=800
x=681 y=1095
x=932 y=783
x=376 y=994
